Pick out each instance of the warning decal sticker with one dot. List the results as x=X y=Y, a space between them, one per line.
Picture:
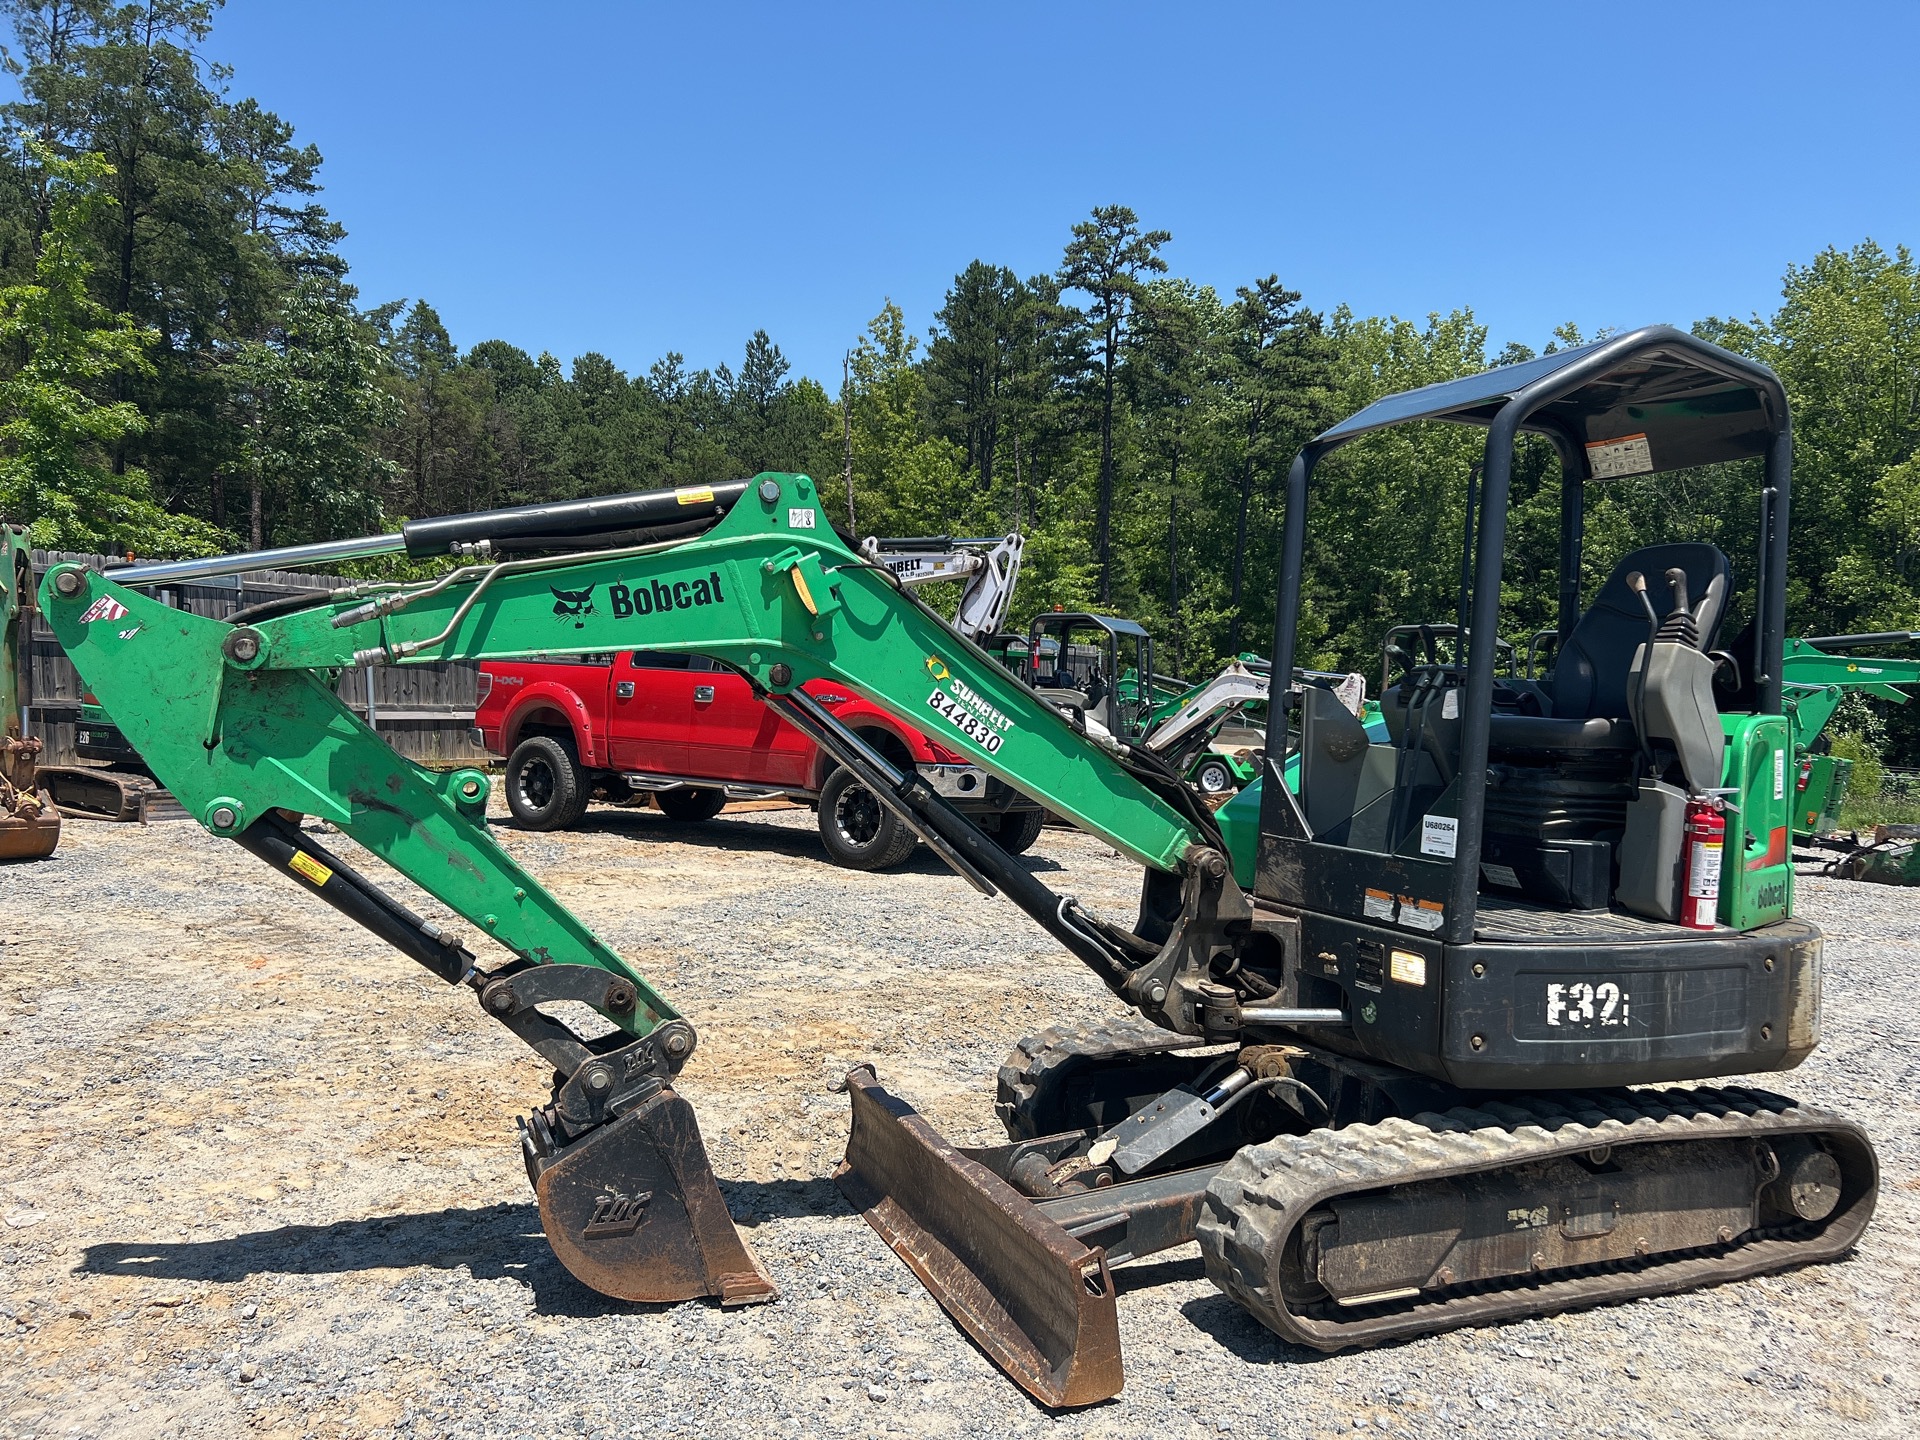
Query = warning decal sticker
x=306 y=865
x=1421 y=914
x=1610 y=459
x=105 y=608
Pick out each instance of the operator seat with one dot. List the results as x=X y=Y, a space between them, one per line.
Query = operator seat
x=1562 y=782
x=1588 y=691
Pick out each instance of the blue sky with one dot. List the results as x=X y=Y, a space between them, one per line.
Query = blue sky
x=633 y=178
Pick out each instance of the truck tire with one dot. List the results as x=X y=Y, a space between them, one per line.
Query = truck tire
x=545 y=788
x=689 y=804
x=1019 y=829
x=860 y=833
x=1214 y=776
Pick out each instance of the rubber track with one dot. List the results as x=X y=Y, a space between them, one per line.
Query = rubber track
x=1025 y=1075
x=1265 y=1191
x=98 y=793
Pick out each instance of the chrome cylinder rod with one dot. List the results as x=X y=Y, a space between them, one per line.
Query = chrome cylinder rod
x=290 y=557
x=1280 y=1015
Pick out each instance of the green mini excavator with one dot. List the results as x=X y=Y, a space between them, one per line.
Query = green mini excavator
x=1416 y=1076
x=29 y=822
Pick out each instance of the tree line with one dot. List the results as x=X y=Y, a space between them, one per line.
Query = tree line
x=185 y=366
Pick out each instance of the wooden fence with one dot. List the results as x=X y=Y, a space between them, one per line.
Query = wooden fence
x=424 y=711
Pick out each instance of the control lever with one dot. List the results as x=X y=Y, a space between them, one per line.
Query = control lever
x=1681 y=626
x=1677 y=583
x=1637 y=583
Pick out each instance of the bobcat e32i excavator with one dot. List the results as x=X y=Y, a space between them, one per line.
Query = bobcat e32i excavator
x=1389 y=1091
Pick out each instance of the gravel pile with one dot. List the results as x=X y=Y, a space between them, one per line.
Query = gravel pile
x=262 y=1177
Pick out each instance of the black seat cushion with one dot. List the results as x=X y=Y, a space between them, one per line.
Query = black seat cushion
x=1590 y=673
x=1555 y=736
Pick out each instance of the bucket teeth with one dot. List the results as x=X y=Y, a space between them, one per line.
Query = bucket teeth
x=632 y=1209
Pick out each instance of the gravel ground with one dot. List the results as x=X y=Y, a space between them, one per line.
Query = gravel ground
x=264 y=1180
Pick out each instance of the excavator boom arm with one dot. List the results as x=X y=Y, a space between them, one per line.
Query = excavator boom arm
x=240 y=720
x=1816 y=682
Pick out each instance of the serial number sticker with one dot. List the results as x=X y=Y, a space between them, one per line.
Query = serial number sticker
x=1779 y=774
x=304 y=864
x=963 y=720
x=1627 y=455
x=800 y=519
x=1407 y=967
x=694 y=495
x=1583 y=1004
x=1439 y=835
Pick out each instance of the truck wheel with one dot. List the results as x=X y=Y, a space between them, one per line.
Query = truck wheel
x=860 y=833
x=690 y=804
x=1019 y=829
x=545 y=789
x=1214 y=777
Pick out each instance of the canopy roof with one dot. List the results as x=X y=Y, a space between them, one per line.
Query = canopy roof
x=1653 y=399
x=1106 y=622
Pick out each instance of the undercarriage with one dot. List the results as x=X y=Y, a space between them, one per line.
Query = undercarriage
x=1350 y=1206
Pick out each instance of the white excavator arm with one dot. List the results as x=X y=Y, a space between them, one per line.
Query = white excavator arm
x=988 y=567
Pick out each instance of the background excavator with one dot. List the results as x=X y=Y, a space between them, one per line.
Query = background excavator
x=1385 y=1086
x=1820 y=674
x=29 y=823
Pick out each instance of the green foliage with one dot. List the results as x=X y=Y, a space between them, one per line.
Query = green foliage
x=305 y=400
x=1864 y=782
x=904 y=481
x=57 y=438
x=1105 y=260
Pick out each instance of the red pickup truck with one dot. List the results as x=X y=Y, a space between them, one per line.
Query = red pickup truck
x=690 y=732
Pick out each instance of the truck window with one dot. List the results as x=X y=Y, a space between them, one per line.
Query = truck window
x=659 y=660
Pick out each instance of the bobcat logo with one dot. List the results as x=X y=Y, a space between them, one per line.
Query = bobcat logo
x=572 y=605
x=616 y=1214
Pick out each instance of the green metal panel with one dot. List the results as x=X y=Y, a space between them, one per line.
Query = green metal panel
x=1816 y=810
x=1756 y=867
x=16 y=574
x=1239 y=821
x=769 y=589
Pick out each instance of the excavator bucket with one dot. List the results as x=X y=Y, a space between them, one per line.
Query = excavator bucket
x=31 y=832
x=633 y=1211
x=29 y=823
x=1039 y=1302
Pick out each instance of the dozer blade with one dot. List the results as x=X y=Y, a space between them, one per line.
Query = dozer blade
x=1036 y=1300
x=633 y=1211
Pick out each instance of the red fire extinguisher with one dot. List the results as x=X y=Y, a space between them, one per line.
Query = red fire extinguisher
x=1706 y=836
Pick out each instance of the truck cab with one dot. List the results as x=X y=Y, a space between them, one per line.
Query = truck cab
x=690 y=732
